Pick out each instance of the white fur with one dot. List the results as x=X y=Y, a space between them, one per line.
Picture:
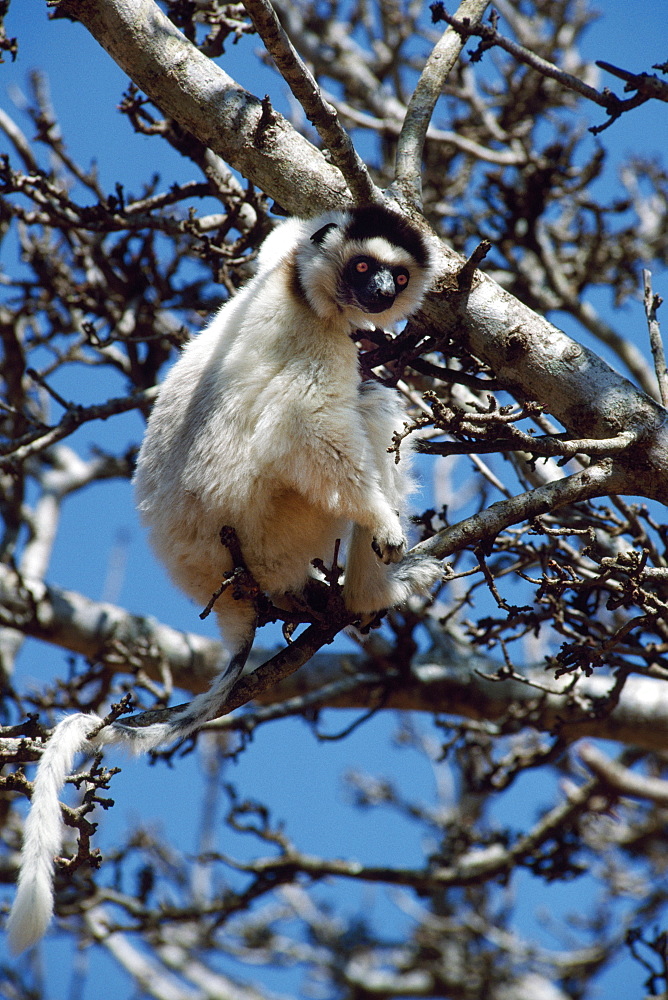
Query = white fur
x=262 y=425
x=42 y=835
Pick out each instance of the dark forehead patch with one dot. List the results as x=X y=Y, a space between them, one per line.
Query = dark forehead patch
x=375 y=220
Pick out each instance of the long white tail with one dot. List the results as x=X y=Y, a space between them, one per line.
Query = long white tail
x=42 y=837
x=33 y=904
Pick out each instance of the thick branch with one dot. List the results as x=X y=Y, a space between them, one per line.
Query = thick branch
x=456 y=681
x=450 y=682
x=204 y=100
x=96 y=630
x=537 y=361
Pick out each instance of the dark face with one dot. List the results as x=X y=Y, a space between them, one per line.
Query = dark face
x=372 y=284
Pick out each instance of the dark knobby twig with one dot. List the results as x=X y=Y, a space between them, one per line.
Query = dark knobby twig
x=303 y=85
x=647 y=85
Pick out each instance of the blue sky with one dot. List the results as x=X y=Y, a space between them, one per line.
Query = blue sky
x=285 y=765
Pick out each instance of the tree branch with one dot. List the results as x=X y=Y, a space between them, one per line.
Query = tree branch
x=454 y=682
x=482 y=528
x=652 y=303
x=95 y=630
x=537 y=361
x=470 y=868
x=621 y=779
x=304 y=87
x=647 y=85
x=204 y=100
x=547 y=446
x=410 y=145
x=21 y=449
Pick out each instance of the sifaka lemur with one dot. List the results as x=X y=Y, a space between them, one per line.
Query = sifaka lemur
x=265 y=425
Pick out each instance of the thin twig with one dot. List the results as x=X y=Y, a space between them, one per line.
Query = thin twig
x=548 y=446
x=646 y=85
x=284 y=663
x=652 y=303
x=303 y=85
x=297 y=705
x=410 y=145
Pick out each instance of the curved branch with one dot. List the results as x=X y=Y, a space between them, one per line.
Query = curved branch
x=444 y=55
x=646 y=85
x=622 y=780
x=596 y=481
x=457 y=682
x=491 y=36
x=390 y=125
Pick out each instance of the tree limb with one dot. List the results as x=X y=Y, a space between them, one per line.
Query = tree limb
x=652 y=303
x=645 y=84
x=421 y=106
x=193 y=90
x=455 y=682
x=537 y=361
x=598 y=480
x=95 y=629
x=304 y=87
x=21 y=449
x=470 y=868
x=621 y=779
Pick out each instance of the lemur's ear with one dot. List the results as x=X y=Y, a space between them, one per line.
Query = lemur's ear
x=322 y=233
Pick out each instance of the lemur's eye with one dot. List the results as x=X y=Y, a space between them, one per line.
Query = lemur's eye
x=362 y=266
x=401 y=279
